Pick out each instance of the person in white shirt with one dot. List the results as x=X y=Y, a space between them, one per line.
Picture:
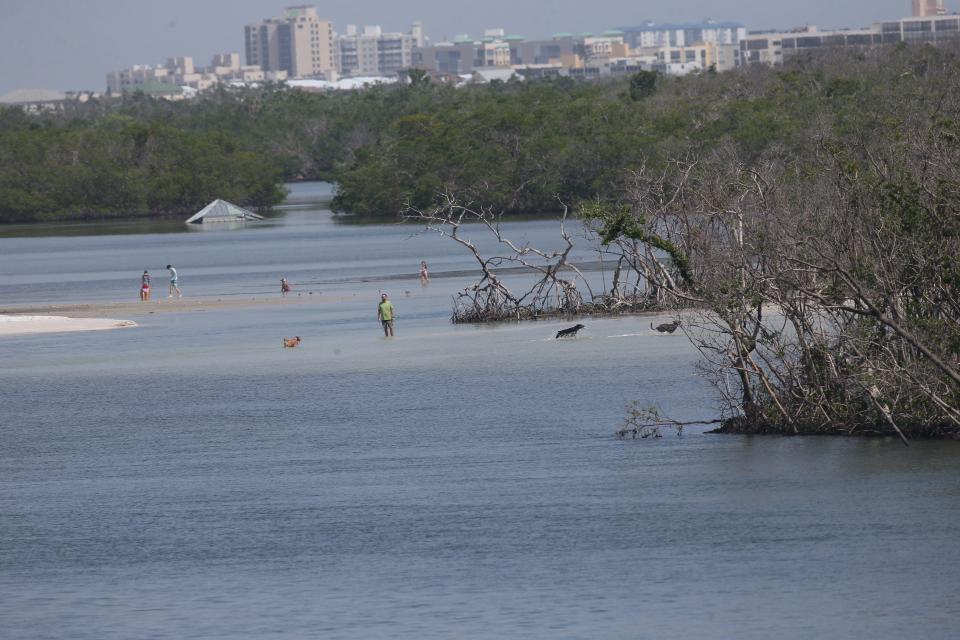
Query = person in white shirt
x=173 y=282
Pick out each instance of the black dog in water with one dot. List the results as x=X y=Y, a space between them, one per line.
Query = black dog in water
x=666 y=327
x=569 y=333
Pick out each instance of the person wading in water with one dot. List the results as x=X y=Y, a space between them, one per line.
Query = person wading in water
x=385 y=315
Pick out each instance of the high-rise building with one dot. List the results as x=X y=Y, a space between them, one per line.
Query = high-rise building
x=416 y=30
x=373 y=52
x=298 y=42
x=922 y=8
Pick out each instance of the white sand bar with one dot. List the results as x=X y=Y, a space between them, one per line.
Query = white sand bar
x=13 y=325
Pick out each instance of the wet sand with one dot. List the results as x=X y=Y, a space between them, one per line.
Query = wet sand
x=163 y=305
x=84 y=316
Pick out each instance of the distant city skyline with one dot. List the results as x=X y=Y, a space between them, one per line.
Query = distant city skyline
x=72 y=44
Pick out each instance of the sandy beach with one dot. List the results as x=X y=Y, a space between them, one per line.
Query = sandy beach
x=78 y=316
x=12 y=325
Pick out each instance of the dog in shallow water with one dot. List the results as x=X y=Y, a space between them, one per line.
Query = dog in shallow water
x=570 y=332
x=667 y=327
x=291 y=342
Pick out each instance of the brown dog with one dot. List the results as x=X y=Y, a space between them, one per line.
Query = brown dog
x=291 y=342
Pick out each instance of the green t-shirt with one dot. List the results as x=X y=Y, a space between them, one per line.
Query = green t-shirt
x=386 y=310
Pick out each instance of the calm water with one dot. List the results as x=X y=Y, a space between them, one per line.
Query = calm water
x=191 y=479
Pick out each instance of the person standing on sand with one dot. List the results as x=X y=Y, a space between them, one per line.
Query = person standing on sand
x=145 y=286
x=173 y=282
x=284 y=287
x=385 y=315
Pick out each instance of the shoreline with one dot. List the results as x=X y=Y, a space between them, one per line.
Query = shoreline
x=161 y=305
x=740 y=427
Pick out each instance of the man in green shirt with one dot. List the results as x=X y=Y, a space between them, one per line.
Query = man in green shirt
x=385 y=315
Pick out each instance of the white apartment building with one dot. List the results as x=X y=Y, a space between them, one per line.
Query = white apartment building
x=679 y=35
x=299 y=43
x=672 y=60
x=372 y=52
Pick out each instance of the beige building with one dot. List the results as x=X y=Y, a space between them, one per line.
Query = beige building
x=923 y=8
x=299 y=43
x=605 y=46
x=761 y=48
x=727 y=56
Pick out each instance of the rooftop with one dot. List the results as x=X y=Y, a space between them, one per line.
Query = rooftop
x=668 y=26
x=26 y=96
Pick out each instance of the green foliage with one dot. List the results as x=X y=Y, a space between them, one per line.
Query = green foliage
x=643 y=84
x=516 y=147
x=124 y=168
x=418 y=78
x=622 y=222
x=512 y=146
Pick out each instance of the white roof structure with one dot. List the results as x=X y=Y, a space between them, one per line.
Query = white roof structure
x=222 y=211
x=489 y=75
x=342 y=83
x=28 y=96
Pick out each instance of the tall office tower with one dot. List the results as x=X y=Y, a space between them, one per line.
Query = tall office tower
x=298 y=42
x=923 y=8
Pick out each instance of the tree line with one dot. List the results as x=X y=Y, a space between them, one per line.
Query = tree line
x=515 y=145
x=142 y=156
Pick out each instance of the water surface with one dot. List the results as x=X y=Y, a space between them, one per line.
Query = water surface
x=191 y=479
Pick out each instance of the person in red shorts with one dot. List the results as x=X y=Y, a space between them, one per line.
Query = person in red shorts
x=145 y=286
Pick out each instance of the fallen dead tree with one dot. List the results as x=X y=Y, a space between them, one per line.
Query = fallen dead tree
x=558 y=286
x=648 y=422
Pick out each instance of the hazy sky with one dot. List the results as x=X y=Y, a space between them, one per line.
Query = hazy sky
x=71 y=44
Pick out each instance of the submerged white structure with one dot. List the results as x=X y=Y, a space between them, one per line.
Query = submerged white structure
x=222 y=211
